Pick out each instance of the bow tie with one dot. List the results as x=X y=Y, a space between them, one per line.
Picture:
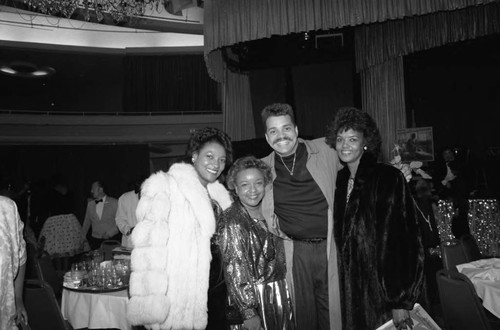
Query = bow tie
x=97 y=201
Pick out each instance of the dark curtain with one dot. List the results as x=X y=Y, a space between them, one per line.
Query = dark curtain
x=75 y=166
x=266 y=86
x=168 y=83
x=315 y=92
x=319 y=90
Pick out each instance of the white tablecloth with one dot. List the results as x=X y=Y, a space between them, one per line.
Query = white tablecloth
x=485 y=275
x=95 y=310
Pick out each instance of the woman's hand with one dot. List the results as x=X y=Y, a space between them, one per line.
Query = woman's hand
x=402 y=319
x=252 y=323
x=21 y=314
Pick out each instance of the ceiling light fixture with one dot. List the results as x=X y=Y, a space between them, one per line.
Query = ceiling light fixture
x=26 y=70
x=120 y=10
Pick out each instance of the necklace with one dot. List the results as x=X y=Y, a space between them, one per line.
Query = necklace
x=426 y=218
x=293 y=165
x=266 y=239
x=350 y=185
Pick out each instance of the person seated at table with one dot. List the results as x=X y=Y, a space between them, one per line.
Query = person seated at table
x=61 y=232
x=100 y=215
x=253 y=258
x=12 y=266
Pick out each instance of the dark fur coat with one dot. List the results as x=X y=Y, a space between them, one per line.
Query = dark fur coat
x=379 y=242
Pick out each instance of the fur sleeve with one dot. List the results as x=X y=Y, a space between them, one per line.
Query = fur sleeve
x=400 y=252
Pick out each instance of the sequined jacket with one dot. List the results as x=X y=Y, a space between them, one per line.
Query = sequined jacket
x=171 y=255
x=251 y=255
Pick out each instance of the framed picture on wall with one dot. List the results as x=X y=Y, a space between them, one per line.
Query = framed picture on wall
x=415 y=144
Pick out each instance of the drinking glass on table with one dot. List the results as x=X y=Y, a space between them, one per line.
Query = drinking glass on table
x=76 y=274
x=92 y=277
x=101 y=277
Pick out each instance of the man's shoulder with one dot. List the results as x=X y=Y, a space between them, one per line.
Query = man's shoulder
x=111 y=200
x=127 y=195
x=320 y=148
x=320 y=145
x=267 y=159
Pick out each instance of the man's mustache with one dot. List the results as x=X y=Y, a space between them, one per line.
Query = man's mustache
x=283 y=139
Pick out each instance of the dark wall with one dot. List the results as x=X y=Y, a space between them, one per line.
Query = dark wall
x=82 y=82
x=315 y=91
x=75 y=166
x=456 y=90
x=97 y=82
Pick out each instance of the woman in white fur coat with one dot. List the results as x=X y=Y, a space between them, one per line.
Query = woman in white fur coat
x=171 y=260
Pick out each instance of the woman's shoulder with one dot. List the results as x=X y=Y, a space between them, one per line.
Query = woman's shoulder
x=233 y=213
x=388 y=172
x=234 y=216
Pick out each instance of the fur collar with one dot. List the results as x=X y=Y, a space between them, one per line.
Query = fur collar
x=187 y=178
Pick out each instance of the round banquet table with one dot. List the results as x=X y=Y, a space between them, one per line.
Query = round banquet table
x=485 y=276
x=95 y=310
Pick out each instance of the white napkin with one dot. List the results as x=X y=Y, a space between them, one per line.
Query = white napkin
x=484 y=269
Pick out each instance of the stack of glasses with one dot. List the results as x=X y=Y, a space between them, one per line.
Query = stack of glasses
x=93 y=275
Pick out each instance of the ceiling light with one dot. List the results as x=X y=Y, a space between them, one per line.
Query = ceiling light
x=26 y=70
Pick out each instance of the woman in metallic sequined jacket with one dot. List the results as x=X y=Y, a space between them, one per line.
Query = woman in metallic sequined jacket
x=253 y=258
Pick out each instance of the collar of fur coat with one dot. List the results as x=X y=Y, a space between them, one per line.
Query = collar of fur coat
x=186 y=173
x=180 y=178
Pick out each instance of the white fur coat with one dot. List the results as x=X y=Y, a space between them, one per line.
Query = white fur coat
x=171 y=255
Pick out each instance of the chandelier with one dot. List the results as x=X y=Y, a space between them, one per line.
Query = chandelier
x=120 y=10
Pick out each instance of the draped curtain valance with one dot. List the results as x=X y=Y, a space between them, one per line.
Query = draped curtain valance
x=227 y=22
x=378 y=43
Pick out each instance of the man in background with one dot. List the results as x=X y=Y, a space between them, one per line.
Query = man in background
x=125 y=215
x=100 y=215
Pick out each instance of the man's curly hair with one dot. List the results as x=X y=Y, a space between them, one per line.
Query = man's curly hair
x=206 y=135
x=245 y=163
x=352 y=118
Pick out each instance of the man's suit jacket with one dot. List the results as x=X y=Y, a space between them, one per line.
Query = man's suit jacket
x=105 y=227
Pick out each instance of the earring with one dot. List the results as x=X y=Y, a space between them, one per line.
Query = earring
x=365 y=148
x=192 y=159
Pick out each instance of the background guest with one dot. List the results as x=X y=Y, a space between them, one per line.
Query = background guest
x=426 y=210
x=254 y=258
x=443 y=175
x=12 y=266
x=376 y=229
x=61 y=233
x=100 y=215
x=125 y=214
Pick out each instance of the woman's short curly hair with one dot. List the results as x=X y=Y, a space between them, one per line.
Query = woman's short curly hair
x=244 y=163
x=206 y=135
x=352 y=118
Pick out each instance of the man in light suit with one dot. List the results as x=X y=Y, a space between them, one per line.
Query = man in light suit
x=125 y=215
x=100 y=214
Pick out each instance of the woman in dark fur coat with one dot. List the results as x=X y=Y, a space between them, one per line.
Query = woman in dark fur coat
x=376 y=229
